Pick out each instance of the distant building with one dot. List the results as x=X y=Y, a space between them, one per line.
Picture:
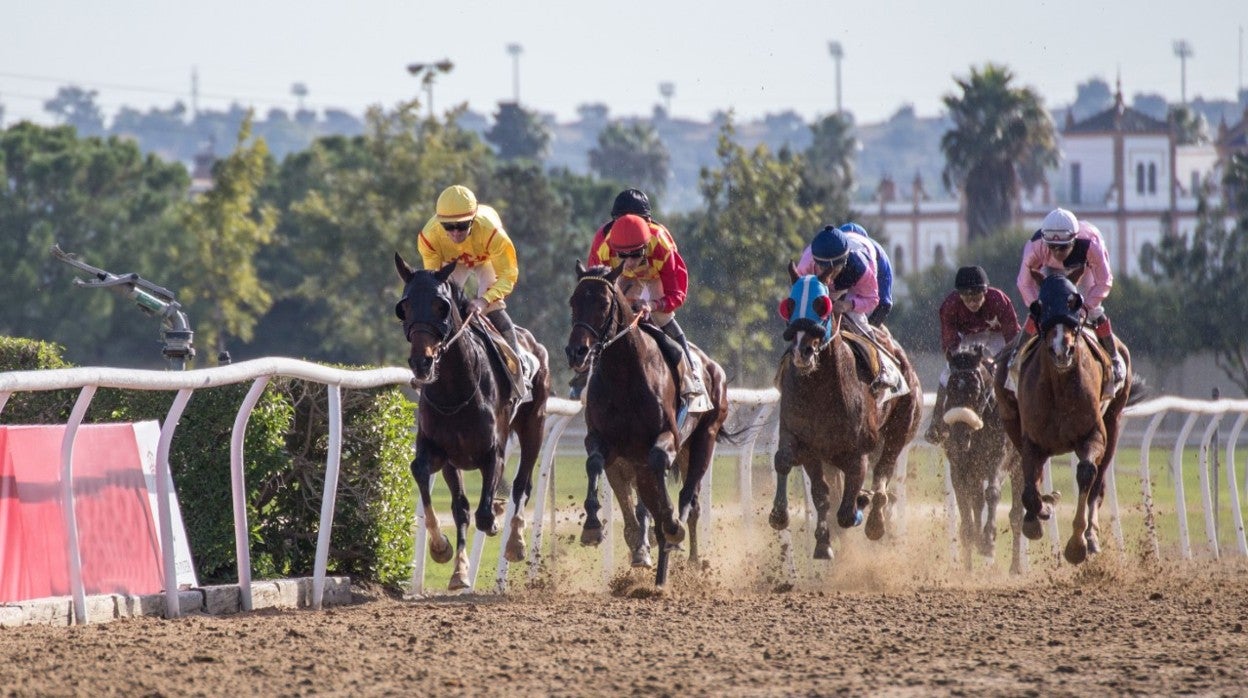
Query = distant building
x=1120 y=169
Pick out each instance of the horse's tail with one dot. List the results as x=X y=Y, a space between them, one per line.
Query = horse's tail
x=1140 y=390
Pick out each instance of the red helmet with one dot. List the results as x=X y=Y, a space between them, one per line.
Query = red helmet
x=628 y=233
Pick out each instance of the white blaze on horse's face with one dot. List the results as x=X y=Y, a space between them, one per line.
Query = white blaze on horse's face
x=806 y=351
x=1062 y=345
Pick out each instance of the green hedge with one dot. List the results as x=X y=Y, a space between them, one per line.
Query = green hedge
x=284 y=468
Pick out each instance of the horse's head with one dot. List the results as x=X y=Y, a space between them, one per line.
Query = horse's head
x=968 y=392
x=431 y=310
x=811 y=322
x=1057 y=313
x=598 y=312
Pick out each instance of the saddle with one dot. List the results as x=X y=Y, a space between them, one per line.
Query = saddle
x=674 y=355
x=877 y=361
x=519 y=369
x=1108 y=389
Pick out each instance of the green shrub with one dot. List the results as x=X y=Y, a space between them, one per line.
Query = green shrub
x=285 y=447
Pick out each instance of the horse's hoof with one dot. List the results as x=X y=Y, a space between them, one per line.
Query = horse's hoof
x=823 y=551
x=1094 y=543
x=857 y=520
x=875 y=520
x=442 y=553
x=487 y=523
x=459 y=581
x=987 y=547
x=591 y=536
x=1033 y=530
x=1046 y=512
x=641 y=558
x=515 y=544
x=675 y=533
x=779 y=519
x=1076 y=550
x=862 y=500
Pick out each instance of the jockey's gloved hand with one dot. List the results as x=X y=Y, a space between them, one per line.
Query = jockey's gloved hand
x=477 y=305
x=841 y=306
x=644 y=307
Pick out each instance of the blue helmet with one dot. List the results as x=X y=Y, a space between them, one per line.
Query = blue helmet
x=829 y=244
x=852 y=227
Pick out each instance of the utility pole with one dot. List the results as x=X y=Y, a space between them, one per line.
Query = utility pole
x=667 y=89
x=426 y=72
x=515 y=50
x=834 y=48
x=1183 y=50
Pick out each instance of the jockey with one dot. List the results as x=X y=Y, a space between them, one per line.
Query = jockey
x=654 y=278
x=883 y=274
x=852 y=278
x=974 y=313
x=1076 y=250
x=632 y=201
x=472 y=235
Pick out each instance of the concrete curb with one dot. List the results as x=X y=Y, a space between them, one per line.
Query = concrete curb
x=216 y=600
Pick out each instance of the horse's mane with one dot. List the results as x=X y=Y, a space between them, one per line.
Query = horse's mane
x=965 y=360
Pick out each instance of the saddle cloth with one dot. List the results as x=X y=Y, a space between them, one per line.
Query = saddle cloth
x=878 y=363
x=1108 y=387
x=674 y=355
x=520 y=369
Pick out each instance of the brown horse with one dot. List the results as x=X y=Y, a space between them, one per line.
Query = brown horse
x=466 y=411
x=1058 y=409
x=979 y=456
x=829 y=418
x=631 y=413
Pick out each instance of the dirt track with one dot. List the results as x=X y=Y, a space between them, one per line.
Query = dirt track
x=867 y=627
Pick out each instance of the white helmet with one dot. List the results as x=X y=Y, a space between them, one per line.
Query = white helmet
x=1059 y=226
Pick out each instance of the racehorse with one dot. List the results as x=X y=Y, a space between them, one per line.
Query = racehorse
x=830 y=418
x=979 y=455
x=1058 y=408
x=466 y=411
x=631 y=413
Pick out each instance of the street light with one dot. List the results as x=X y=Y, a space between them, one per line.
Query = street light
x=515 y=50
x=834 y=48
x=667 y=89
x=426 y=73
x=1183 y=50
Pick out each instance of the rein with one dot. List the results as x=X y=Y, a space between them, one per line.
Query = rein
x=597 y=333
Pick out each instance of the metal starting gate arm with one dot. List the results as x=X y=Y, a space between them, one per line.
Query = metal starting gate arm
x=152 y=299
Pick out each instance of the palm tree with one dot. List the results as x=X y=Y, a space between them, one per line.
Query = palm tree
x=1001 y=138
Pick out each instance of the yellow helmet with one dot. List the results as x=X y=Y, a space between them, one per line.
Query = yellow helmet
x=457 y=203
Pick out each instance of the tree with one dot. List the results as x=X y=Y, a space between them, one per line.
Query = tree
x=225 y=228
x=829 y=166
x=1190 y=127
x=633 y=155
x=74 y=106
x=518 y=133
x=104 y=201
x=1208 y=272
x=1001 y=138
x=737 y=250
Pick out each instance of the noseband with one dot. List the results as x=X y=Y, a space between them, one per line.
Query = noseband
x=598 y=333
x=444 y=342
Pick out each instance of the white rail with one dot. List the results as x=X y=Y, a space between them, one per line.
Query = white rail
x=561 y=412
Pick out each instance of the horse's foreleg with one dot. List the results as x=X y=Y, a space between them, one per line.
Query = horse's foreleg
x=849 y=513
x=459 y=510
x=530 y=437
x=988 y=527
x=623 y=484
x=1035 y=509
x=1018 y=547
x=701 y=450
x=422 y=471
x=595 y=463
x=820 y=495
x=1086 y=474
x=783 y=464
x=491 y=474
x=966 y=523
x=660 y=459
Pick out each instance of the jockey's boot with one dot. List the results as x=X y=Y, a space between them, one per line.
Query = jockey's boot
x=937 y=430
x=1115 y=359
x=502 y=322
x=577 y=384
x=690 y=383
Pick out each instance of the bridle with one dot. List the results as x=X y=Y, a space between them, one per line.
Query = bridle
x=600 y=345
x=444 y=342
x=986 y=396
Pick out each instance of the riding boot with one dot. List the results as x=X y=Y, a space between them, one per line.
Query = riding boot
x=577 y=384
x=691 y=383
x=937 y=430
x=502 y=322
x=1115 y=359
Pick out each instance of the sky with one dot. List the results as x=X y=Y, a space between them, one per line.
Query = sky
x=755 y=57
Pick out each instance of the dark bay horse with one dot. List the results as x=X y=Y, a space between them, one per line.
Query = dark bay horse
x=465 y=416
x=1058 y=409
x=980 y=455
x=631 y=415
x=830 y=419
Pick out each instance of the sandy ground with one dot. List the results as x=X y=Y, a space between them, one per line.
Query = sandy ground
x=880 y=620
